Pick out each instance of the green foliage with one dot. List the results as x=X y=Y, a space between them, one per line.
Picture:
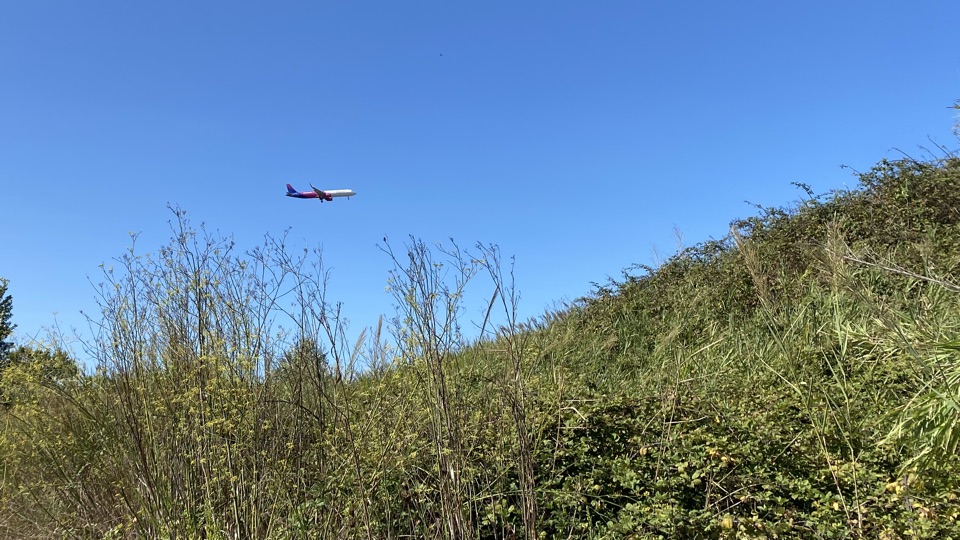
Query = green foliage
x=6 y=327
x=811 y=333
x=29 y=366
x=797 y=378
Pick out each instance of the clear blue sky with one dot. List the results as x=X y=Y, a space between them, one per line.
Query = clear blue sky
x=575 y=135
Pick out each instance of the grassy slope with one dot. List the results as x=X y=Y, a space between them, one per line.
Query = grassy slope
x=798 y=378
x=747 y=384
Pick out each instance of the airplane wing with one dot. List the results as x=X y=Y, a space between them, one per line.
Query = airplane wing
x=320 y=193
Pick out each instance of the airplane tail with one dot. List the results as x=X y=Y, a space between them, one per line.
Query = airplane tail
x=290 y=189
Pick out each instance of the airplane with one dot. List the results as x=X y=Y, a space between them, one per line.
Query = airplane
x=327 y=195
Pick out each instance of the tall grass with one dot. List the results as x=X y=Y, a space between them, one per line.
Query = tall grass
x=797 y=378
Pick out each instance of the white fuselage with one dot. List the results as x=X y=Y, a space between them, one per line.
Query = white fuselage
x=340 y=192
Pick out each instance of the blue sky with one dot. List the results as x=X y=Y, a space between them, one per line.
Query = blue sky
x=578 y=136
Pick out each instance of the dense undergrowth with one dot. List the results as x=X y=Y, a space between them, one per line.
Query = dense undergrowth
x=797 y=378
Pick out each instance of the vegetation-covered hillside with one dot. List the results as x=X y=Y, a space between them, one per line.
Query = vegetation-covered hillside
x=798 y=378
